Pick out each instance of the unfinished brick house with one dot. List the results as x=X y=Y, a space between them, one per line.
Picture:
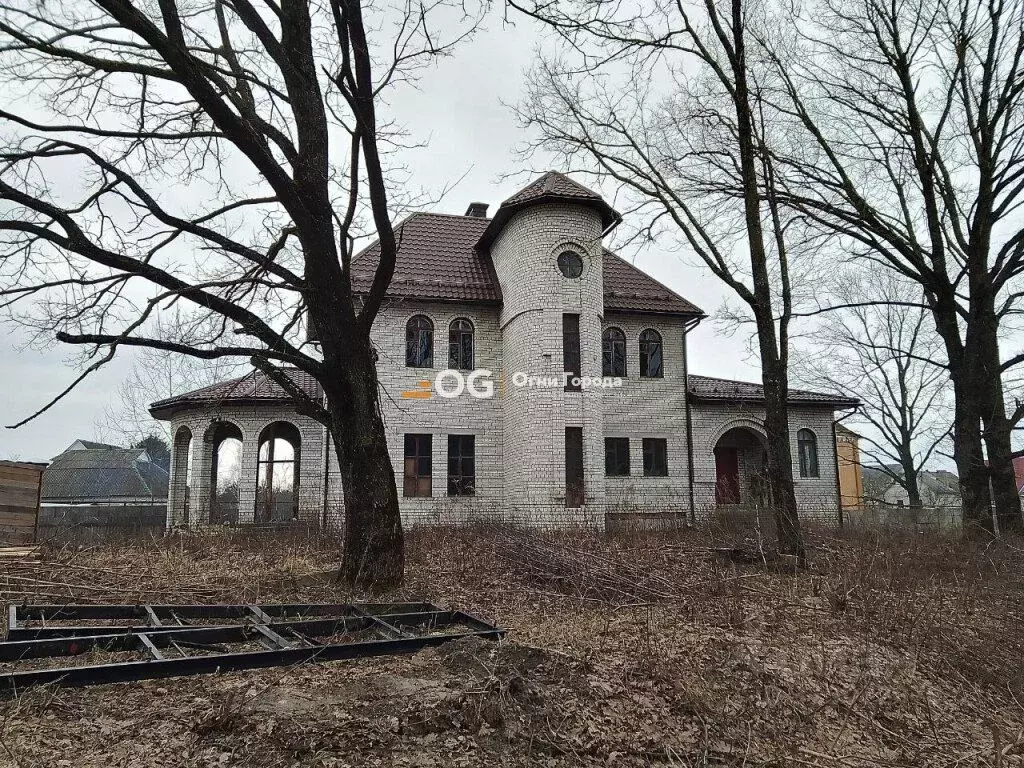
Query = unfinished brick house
x=527 y=296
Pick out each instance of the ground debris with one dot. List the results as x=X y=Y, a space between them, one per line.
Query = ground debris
x=902 y=652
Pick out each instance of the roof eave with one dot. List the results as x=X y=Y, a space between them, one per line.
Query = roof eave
x=834 y=404
x=699 y=313
x=157 y=410
x=609 y=215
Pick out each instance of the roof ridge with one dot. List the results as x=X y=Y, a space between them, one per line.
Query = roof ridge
x=450 y=215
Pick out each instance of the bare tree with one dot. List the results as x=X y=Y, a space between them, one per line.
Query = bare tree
x=916 y=116
x=665 y=100
x=156 y=374
x=215 y=159
x=882 y=350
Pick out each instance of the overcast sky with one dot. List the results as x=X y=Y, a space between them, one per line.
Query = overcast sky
x=460 y=111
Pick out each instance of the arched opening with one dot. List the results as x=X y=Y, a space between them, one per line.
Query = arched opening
x=460 y=344
x=182 y=469
x=225 y=473
x=277 y=473
x=740 y=459
x=419 y=342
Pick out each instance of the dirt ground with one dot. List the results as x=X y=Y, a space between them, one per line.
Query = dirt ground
x=894 y=650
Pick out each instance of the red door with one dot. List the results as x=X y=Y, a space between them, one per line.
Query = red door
x=727 y=476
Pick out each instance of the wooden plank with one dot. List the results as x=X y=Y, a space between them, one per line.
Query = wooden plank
x=19 y=513
x=9 y=482
x=19 y=474
x=19 y=497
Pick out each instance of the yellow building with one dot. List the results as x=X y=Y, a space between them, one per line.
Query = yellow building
x=851 y=476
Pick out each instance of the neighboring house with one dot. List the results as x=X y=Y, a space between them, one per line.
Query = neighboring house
x=938 y=488
x=851 y=474
x=510 y=302
x=96 y=474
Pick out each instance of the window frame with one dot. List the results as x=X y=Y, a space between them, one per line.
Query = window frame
x=807 y=454
x=579 y=256
x=645 y=343
x=457 y=339
x=608 y=351
x=416 y=484
x=572 y=353
x=649 y=444
x=410 y=360
x=614 y=466
x=461 y=482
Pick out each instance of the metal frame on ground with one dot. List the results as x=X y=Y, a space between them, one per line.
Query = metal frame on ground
x=289 y=633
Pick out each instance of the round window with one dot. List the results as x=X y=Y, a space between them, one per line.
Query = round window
x=570 y=264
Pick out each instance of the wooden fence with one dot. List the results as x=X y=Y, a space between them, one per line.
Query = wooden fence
x=20 y=484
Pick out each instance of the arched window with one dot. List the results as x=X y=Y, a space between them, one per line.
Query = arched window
x=651 y=363
x=460 y=345
x=807 y=449
x=419 y=342
x=225 y=472
x=277 y=473
x=182 y=470
x=613 y=352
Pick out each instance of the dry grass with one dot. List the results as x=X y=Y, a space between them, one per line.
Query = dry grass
x=900 y=650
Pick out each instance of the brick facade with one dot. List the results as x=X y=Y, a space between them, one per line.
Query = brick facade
x=520 y=433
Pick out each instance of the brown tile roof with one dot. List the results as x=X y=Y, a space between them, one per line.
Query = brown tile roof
x=438 y=261
x=551 y=187
x=727 y=390
x=254 y=387
x=551 y=184
x=628 y=289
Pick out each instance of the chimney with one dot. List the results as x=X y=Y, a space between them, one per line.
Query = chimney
x=478 y=210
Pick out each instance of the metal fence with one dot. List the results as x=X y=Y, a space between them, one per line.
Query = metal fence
x=89 y=524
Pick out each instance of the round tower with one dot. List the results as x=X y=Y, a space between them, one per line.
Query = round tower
x=546 y=245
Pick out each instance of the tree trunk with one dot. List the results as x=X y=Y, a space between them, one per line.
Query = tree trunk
x=998 y=431
x=912 y=487
x=374 y=557
x=967 y=452
x=780 y=460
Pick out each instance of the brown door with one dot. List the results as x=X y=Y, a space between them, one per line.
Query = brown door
x=574 y=490
x=727 y=476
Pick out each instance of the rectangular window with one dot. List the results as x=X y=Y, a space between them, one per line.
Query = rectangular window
x=461 y=465
x=417 y=465
x=575 y=494
x=571 y=350
x=616 y=456
x=655 y=457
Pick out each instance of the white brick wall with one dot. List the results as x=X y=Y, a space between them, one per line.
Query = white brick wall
x=649 y=407
x=816 y=497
